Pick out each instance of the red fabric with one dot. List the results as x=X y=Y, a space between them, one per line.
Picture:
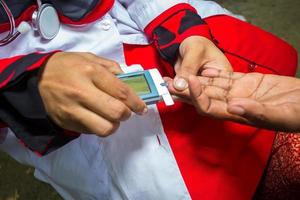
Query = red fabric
x=2 y=125
x=6 y=62
x=165 y=16
x=171 y=19
x=40 y=62
x=102 y=7
x=282 y=177
x=220 y=159
x=253 y=44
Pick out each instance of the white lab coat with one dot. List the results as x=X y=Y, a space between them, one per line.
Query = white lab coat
x=132 y=163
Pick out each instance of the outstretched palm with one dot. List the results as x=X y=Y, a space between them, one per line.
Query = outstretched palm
x=268 y=101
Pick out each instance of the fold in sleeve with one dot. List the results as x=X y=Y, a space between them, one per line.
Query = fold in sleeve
x=21 y=107
x=167 y=24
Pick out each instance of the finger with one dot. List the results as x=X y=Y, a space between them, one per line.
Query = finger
x=195 y=87
x=215 y=108
x=224 y=83
x=105 y=105
x=211 y=72
x=207 y=105
x=211 y=87
x=167 y=79
x=182 y=99
x=110 y=65
x=190 y=65
x=263 y=115
x=86 y=121
x=217 y=89
x=201 y=101
x=217 y=93
x=114 y=87
x=183 y=94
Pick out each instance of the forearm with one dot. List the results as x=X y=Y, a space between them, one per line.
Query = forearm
x=21 y=106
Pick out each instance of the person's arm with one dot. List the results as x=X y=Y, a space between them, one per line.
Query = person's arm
x=263 y=100
x=49 y=99
x=21 y=107
x=167 y=23
x=180 y=35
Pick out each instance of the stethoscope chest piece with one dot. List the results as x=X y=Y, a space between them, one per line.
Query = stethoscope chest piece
x=46 y=22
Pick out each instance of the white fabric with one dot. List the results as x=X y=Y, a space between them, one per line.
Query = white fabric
x=143 y=12
x=211 y=8
x=132 y=163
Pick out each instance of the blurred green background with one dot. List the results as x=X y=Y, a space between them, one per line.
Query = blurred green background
x=280 y=17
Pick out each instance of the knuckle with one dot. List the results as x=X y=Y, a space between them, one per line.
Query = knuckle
x=63 y=116
x=58 y=120
x=110 y=129
x=120 y=112
x=88 y=69
x=186 y=70
x=225 y=95
x=211 y=81
x=67 y=113
x=123 y=93
x=114 y=64
x=76 y=93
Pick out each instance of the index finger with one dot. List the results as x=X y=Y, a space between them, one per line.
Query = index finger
x=213 y=73
x=110 y=84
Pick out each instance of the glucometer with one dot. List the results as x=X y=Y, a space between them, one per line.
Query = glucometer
x=148 y=84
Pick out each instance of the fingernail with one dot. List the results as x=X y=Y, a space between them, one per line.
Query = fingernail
x=181 y=84
x=143 y=112
x=236 y=110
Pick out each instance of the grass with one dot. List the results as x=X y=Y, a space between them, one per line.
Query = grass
x=17 y=182
x=280 y=17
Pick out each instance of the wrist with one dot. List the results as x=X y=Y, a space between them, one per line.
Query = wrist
x=199 y=42
x=49 y=61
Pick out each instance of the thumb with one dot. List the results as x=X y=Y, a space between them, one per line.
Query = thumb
x=189 y=65
x=247 y=108
x=258 y=114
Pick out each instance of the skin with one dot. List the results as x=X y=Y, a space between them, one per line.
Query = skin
x=196 y=54
x=81 y=93
x=267 y=101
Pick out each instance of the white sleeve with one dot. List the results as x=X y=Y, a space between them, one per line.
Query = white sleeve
x=144 y=11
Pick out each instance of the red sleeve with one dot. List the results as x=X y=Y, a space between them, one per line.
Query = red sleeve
x=11 y=69
x=174 y=25
x=21 y=107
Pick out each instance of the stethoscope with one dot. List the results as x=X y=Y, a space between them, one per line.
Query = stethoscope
x=44 y=20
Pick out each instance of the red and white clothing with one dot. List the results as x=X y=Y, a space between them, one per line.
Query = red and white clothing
x=172 y=152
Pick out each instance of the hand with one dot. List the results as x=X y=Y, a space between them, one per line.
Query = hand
x=197 y=53
x=81 y=93
x=267 y=101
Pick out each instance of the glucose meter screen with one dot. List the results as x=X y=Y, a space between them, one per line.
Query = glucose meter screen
x=138 y=83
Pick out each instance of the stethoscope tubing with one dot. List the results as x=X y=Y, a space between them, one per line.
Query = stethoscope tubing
x=13 y=33
x=45 y=10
